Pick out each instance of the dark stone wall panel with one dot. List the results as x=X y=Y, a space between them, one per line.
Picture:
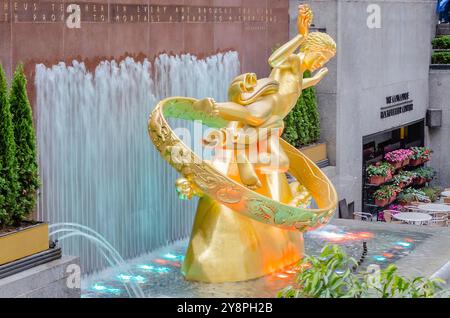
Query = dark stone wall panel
x=35 y=31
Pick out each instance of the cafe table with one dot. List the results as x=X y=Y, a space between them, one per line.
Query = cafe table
x=413 y=217
x=434 y=207
x=446 y=194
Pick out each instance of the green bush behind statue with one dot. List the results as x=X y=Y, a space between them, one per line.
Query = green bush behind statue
x=302 y=125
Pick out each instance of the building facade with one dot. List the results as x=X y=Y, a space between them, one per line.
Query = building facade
x=377 y=92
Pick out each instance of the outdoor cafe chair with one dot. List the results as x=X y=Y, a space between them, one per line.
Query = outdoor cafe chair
x=363 y=216
x=438 y=219
x=411 y=208
x=388 y=217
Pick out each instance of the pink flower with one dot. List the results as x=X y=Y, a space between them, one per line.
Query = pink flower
x=398 y=155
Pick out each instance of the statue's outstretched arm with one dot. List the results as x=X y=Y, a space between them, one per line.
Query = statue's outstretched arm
x=281 y=54
x=304 y=19
x=312 y=81
x=254 y=114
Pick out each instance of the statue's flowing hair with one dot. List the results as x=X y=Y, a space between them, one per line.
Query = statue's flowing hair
x=318 y=42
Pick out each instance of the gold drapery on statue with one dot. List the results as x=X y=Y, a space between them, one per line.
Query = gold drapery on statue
x=249 y=219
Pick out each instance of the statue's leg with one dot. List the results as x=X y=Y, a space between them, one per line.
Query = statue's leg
x=272 y=158
x=246 y=171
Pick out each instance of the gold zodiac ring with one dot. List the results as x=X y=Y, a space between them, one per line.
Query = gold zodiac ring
x=207 y=180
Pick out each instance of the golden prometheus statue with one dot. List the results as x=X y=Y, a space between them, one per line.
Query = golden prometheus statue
x=250 y=220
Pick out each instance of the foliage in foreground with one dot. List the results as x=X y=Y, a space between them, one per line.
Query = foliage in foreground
x=25 y=140
x=19 y=180
x=330 y=275
x=8 y=162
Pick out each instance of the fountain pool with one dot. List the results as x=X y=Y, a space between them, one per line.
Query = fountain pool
x=158 y=273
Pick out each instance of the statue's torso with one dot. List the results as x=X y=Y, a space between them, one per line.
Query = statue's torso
x=290 y=88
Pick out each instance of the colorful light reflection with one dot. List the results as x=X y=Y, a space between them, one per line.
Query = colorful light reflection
x=98 y=287
x=154 y=269
x=341 y=236
x=103 y=289
x=172 y=256
x=146 y=267
x=128 y=278
x=404 y=244
x=379 y=258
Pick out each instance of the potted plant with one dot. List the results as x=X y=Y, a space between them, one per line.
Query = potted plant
x=410 y=194
x=425 y=174
x=403 y=179
x=379 y=173
x=19 y=181
x=399 y=158
x=385 y=195
x=432 y=193
x=420 y=155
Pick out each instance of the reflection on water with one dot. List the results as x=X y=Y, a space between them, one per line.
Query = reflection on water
x=159 y=275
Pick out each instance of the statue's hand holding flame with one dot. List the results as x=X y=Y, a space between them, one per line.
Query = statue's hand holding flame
x=304 y=19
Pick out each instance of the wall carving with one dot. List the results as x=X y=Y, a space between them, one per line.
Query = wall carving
x=57 y=12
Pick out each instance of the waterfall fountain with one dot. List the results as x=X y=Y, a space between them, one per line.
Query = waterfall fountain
x=97 y=166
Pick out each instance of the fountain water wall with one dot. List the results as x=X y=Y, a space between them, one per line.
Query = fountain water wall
x=97 y=164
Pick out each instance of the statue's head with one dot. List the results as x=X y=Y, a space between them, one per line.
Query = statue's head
x=318 y=49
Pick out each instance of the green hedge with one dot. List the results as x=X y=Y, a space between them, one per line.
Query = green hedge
x=302 y=124
x=9 y=187
x=25 y=140
x=19 y=178
x=441 y=42
x=440 y=58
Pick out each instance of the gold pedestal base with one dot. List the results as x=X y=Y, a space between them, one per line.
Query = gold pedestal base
x=228 y=247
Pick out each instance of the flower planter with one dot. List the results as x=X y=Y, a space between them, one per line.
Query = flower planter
x=388 y=177
x=405 y=162
x=397 y=165
x=381 y=202
x=23 y=242
x=392 y=199
x=420 y=181
x=403 y=185
x=415 y=162
x=315 y=152
x=377 y=180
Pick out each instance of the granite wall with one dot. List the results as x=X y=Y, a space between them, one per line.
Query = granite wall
x=383 y=50
x=439 y=137
x=37 y=31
